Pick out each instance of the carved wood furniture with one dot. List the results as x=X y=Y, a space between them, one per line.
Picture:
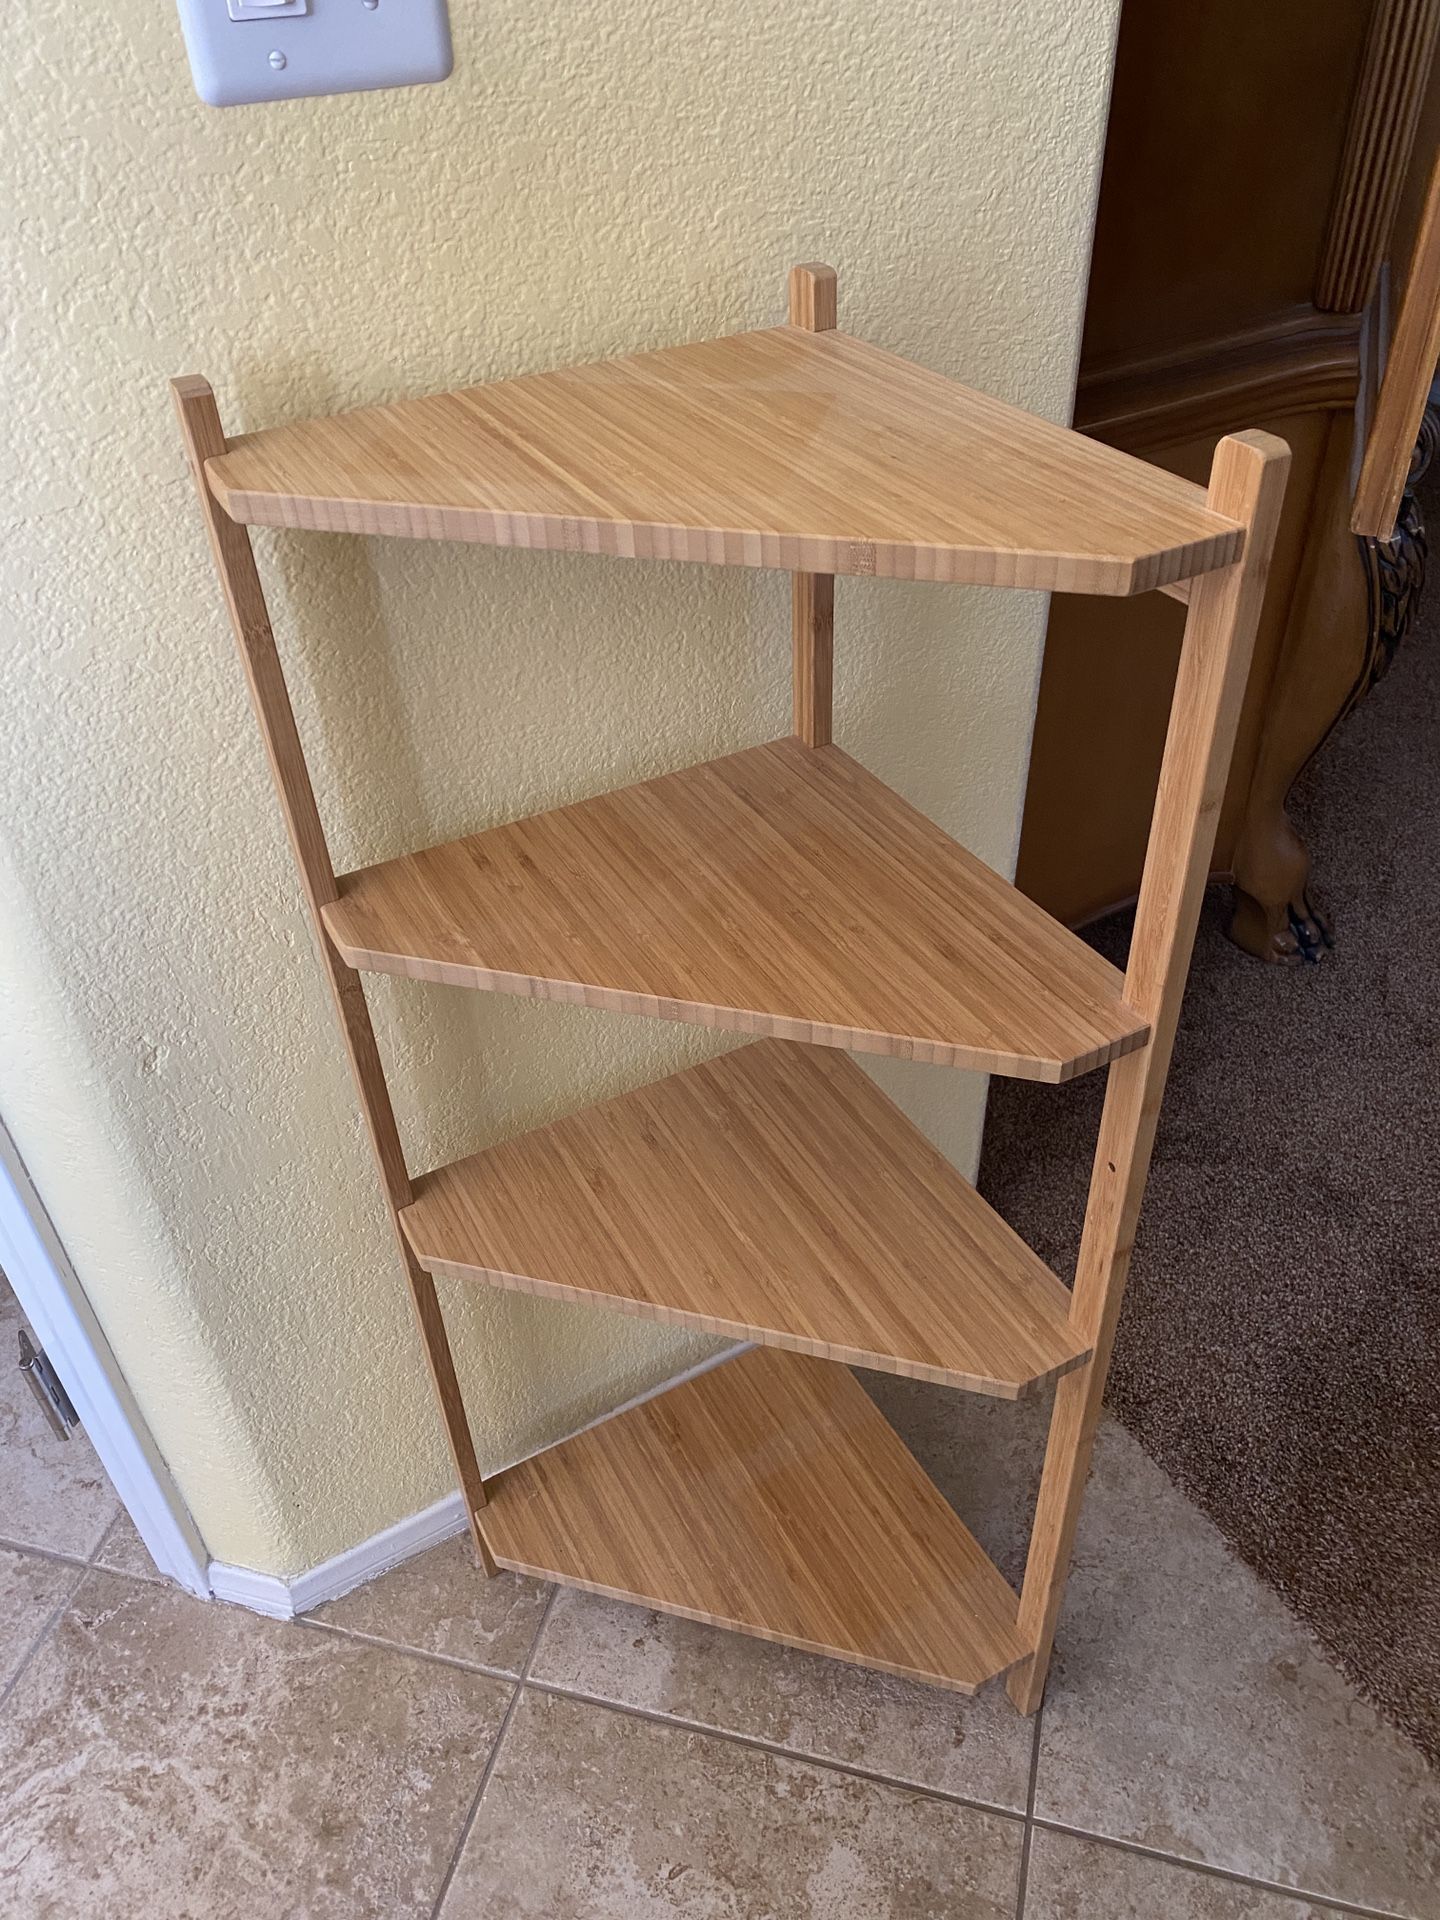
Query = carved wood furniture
x=1414 y=351
x=1260 y=162
x=784 y=892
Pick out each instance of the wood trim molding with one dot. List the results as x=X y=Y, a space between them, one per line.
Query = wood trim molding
x=1390 y=446
x=63 y=1321
x=1304 y=362
x=1384 y=112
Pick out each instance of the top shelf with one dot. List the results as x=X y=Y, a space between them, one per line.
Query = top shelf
x=781 y=448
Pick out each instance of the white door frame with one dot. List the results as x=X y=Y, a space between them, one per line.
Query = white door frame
x=65 y=1325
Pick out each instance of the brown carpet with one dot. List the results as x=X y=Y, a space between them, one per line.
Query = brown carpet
x=1279 y=1354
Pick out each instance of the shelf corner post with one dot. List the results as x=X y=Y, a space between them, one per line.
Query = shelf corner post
x=204 y=438
x=812 y=595
x=1247 y=485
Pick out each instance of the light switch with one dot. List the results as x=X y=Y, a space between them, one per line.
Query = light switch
x=312 y=46
x=266 y=9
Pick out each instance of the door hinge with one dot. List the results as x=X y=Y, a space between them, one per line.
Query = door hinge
x=45 y=1385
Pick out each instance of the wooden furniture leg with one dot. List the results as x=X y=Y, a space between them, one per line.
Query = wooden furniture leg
x=813 y=307
x=1247 y=483
x=235 y=563
x=1352 y=608
x=1320 y=660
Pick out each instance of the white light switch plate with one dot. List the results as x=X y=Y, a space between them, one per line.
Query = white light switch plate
x=244 y=50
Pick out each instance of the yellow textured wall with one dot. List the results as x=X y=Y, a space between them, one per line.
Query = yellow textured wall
x=597 y=177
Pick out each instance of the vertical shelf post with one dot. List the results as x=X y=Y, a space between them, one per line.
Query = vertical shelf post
x=234 y=558
x=1247 y=484
x=812 y=595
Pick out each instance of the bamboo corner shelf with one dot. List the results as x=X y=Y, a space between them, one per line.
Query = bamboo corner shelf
x=772 y=1194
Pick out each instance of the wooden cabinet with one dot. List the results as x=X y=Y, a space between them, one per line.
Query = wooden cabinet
x=1260 y=164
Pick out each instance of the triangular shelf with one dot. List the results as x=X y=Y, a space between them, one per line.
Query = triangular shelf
x=774 y=1194
x=782 y=891
x=771 y=1496
x=778 y=448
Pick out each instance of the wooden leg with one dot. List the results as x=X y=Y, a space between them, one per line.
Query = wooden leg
x=813 y=645
x=1247 y=484
x=452 y=1405
x=235 y=563
x=1348 y=621
x=1321 y=657
x=813 y=306
x=1127 y=1130
x=1273 y=916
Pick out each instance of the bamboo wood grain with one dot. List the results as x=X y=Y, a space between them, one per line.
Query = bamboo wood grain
x=812 y=645
x=813 y=307
x=1409 y=370
x=769 y=1496
x=810 y=451
x=814 y=297
x=1247 y=483
x=781 y=891
x=774 y=1194
x=204 y=439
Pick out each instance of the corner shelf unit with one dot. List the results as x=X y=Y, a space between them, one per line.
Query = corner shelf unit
x=772 y=1194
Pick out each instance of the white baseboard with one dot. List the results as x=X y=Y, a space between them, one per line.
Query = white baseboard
x=282 y=1599
x=263 y=1593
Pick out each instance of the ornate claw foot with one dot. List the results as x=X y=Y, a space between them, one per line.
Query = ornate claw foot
x=1274 y=917
x=1343 y=634
x=1291 y=934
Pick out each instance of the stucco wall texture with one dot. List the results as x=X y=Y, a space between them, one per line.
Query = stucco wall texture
x=596 y=178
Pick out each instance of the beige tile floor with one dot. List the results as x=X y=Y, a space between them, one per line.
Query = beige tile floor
x=435 y=1745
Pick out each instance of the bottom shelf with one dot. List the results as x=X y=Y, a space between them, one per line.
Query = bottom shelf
x=770 y=1496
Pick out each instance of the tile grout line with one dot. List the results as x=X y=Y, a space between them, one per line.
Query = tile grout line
x=680 y=1721
x=105 y=1533
x=804 y=1756
x=451 y=1660
x=82 y=1569
x=45 y=1632
x=1025 y=1844
x=493 y=1758
x=155 y=1579
x=47 y=1553
x=1328 y=1900
x=1031 y=1820
x=799 y=1755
